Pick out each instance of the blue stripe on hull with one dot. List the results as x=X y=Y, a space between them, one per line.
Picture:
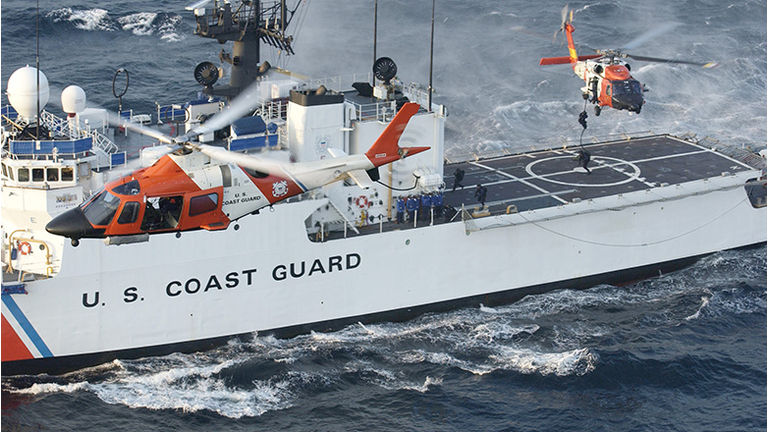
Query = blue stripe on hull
x=26 y=325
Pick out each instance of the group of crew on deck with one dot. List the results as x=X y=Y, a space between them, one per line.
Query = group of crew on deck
x=424 y=206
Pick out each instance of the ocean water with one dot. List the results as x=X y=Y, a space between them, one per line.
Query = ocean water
x=684 y=351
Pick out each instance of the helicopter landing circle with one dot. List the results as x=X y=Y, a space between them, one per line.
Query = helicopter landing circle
x=596 y=163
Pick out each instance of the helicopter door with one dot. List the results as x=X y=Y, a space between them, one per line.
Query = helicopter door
x=203 y=210
x=162 y=213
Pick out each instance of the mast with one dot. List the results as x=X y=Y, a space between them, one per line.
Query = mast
x=251 y=23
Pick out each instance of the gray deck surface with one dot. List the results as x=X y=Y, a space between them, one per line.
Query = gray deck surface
x=552 y=177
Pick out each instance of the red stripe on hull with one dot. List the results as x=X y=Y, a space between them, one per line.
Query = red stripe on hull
x=13 y=347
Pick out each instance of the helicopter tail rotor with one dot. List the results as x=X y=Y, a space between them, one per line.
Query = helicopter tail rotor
x=564 y=19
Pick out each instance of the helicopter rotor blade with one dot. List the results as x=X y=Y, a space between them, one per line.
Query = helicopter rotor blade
x=706 y=65
x=649 y=35
x=240 y=159
x=564 y=16
x=241 y=106
x=563 y=20
x=116 y=120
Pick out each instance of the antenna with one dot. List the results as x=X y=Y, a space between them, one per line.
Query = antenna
x=375 y=25
x=431 y=51
x=37 y=65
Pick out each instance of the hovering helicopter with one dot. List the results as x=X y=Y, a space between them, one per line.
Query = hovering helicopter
x=200 y=186
x=606 y=75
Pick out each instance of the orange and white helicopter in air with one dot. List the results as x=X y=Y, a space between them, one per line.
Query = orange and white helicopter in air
x=605 y=74
x=203 y=186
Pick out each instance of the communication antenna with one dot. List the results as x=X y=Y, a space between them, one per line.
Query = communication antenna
x=431 y=51
x=375 y=26
x=37 y=65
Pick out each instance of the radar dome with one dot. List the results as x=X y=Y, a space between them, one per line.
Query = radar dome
x=23 y=94
x=73 y=100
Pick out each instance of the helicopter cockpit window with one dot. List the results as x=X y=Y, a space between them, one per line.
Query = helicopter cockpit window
x=626 y=87
x=100 y=210
x=130 y=188
x=130 y=213
x=161 y=213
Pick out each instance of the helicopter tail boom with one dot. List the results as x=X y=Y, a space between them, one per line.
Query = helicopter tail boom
x=566 y=59
x=386 y=149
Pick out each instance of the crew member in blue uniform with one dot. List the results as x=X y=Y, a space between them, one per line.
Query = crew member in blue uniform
x=426 y=203
x=437 y=202
x=412 y=205
x=400 y=210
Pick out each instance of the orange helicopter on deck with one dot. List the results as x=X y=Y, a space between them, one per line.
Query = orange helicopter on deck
x=606 y=75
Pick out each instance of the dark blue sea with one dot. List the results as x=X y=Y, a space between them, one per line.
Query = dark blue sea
x=684 y=351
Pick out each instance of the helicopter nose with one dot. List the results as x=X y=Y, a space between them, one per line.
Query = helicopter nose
x=630 y=102
x=72 y=224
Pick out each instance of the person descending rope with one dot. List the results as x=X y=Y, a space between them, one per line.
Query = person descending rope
x=583 y=155
x=583 y=119
x=583 y=159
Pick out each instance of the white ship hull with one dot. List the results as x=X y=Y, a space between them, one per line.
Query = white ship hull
x=181 y=293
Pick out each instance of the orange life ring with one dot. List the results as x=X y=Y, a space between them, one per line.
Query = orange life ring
x=362 y=201
x=25 y=248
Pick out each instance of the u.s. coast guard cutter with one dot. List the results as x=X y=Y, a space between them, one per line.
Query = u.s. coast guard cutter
x=330 y=204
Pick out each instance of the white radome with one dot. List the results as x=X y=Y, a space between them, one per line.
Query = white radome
x=23 y=89
x=73 y=100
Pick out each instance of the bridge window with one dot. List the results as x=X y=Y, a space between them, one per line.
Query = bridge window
x=23 y=174
x=38 y=174
x=10 y=173
x=203 y=204
x=5 y=171
x=67 y=174
x=52 y=174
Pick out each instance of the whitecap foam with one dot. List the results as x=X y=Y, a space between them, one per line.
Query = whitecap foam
x=574 y=362
x=695 y=316
x=44 y=388
x=168 y=29
x=195 y=394
x=139 y=24
x=83 y=19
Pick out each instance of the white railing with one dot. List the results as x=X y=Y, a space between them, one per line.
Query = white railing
x=75 y=131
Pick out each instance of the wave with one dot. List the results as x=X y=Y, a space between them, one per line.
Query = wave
x=167 y=26
x=83 y=19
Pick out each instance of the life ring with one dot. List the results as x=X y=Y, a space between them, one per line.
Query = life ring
x=362 y=201
x=25 y=248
